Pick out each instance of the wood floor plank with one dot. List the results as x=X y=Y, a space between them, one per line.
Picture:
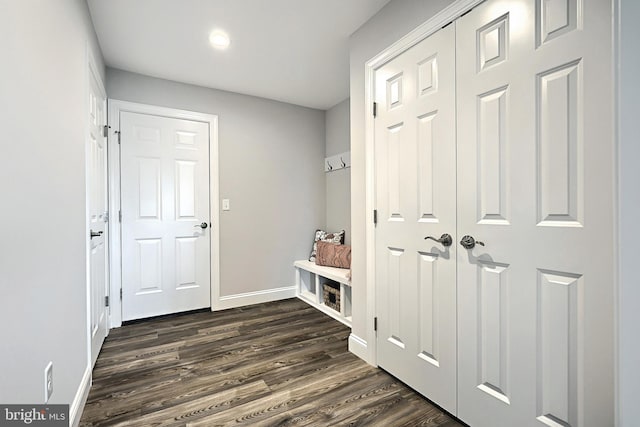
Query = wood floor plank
x=276 y=364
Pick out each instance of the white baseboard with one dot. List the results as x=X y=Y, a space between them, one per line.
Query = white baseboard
x=77 y=406
x=358 y=346
x=258 y=297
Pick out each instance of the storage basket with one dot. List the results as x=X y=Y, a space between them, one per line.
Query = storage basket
x=331 y=296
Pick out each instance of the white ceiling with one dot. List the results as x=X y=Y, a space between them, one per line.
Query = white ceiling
x=294 y=51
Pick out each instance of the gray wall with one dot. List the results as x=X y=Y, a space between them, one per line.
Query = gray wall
x=43 y=296
x=628 y=383
x=393 y=21
x=338 y=183
x=271 y=169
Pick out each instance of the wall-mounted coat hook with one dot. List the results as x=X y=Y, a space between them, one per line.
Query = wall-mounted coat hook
x=340 y=161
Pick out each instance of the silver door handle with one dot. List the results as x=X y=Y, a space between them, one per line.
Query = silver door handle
x=203 y=225
x=445 y=239
x=468 y=242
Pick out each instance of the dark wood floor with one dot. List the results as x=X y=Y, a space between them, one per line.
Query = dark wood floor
x=276 y=364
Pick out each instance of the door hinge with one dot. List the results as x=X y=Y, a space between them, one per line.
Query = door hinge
x=118 y=133
x=375 y=216
x=119 y=216
x=106 y=301
x=375 y=109
x=467 y=12
x=120 y=294
x=375 y=324
x=105 y=131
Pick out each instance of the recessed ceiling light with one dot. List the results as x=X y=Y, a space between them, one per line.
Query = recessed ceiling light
x=219 y=39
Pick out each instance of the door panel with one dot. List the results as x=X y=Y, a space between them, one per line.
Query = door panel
x=165 y=198
x=98 y=217
x=535 y=176
x=415 y=198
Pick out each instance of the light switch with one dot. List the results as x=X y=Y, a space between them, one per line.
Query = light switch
x=226 y=206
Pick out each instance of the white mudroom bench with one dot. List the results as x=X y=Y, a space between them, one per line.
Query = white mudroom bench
x=310 y=279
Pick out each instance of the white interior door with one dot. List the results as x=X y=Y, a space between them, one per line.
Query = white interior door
x=98 y=216
x=535 y=319
x=165 y=215
x=415 y=152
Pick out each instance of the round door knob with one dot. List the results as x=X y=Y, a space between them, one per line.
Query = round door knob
x=468 y=242
x=445 y=239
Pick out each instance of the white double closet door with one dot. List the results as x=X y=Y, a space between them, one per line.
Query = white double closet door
x=499 y=127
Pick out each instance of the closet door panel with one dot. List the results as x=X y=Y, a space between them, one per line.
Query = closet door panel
x=415 y=198
x=535 y=313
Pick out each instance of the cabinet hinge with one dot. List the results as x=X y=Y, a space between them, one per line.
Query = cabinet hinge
x=120 y=294
x=105 y=131
x=119 y=216
x=375 y=216
x=106 y=301
x=118 y=133
x=375 y=324
x=375 y=109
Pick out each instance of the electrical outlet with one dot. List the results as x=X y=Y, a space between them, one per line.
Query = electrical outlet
x=48 y=382
x=226 y=205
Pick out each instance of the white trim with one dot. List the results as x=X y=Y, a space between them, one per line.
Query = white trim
x=93 y=68
x=115 y=266
x=214 y=209
x=448 y=14
x=80 y=399
x=358 y=346
x=617 y=198
x=435 y=23
x=115 y=108
x=257 y=297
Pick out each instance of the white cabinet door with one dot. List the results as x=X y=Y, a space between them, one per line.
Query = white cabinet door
x=165 y=199
x=415 y=197
x=98 y=216
x=535 y=180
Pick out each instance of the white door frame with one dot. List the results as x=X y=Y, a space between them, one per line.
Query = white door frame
x=365 y=347
x=115 y=229
x=626 y=210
